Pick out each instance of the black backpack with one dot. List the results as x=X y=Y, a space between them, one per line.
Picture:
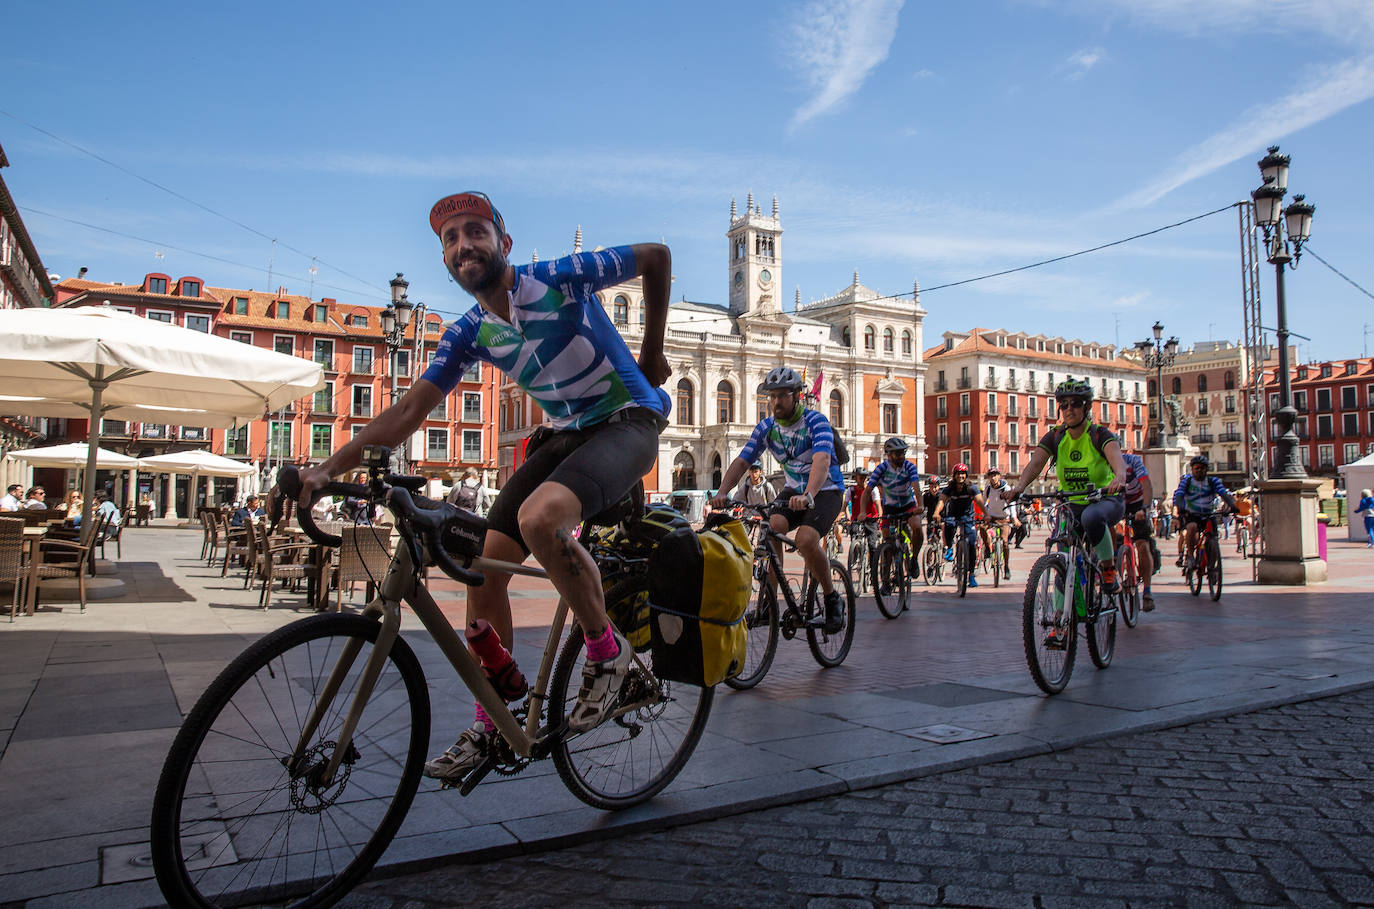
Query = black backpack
x=466 y=497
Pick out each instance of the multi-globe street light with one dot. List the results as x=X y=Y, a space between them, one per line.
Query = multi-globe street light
x=1282 y=227
x=1157 y=354
x=395 y=318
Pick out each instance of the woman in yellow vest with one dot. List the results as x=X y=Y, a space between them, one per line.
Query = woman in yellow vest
x=1086 y=457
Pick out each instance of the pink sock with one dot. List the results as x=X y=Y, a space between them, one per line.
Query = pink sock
x=603 y=647
x=484 y=719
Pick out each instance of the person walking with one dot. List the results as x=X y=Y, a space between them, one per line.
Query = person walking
x=1366 y=508
x=470 y=494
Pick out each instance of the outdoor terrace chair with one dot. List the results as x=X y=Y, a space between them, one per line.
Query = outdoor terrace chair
x=63 y=559
x=243 y=542
x=286 y=561
x=14 y=568
x=111 y=533
x=363 y=555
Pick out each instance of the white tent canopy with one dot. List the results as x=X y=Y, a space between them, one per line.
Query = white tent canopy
x=74 y=454
x=1358 y=475
x=101 y=358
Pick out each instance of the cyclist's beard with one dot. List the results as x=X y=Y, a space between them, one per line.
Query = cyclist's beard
x=493 y=269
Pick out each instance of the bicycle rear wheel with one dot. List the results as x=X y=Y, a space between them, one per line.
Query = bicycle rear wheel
x=1214 y=569
x=629 y=758
x=1050 y=664
x=891 y=586
x=761 y=625
x=232 y=823
x=1128 y=572
x=1101 y=633
x=830 y=649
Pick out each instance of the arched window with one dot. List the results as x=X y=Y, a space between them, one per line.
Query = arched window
x=1202 y=383
x=620 y=310
x=1178 y=385
x=761 y=403
x=836 y=409
x=725 y=403
x=715 y=471
x=684 y=471
x=1229 y=380
x=888 y=338
x=685 y=416
x=641 y=313
x=1150 y=388
x=847 y=336
x=870 y=338
x=906 y=343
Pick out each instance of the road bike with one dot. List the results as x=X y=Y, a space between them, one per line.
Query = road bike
x=965 y=551
x=291 y=774
x=765 y=619
x=1205 y=561
x=1128 y=573
x=932 y=564
x=1049 y=621
x=892 y=574
x=861 y=553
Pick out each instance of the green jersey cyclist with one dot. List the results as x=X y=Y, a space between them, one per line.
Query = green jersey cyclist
x=542 y=325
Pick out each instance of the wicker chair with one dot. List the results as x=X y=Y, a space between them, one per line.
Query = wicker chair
x=72 y=561
x=211 y=531
x=364 y=556
x=14 y=568
x=282 y=560
x=242 y=544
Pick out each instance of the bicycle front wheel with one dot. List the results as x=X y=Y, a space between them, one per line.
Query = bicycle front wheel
x=828 y=648
x=1101 y=633
x=963 y=566
x=761 y=626
x=930 y=564
x=1047 y=627
x=632 y=756
x=890 y=589
x=1194 y=576
x=1214 y=570
x=234 y=820
x=996 y=558
x=1128 y=572
x=858 y=564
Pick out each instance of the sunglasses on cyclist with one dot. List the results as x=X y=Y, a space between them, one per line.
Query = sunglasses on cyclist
x=1075 y=403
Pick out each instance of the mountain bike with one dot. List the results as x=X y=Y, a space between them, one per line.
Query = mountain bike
x=892 y=576
x=1128 y=573
x=1243 y=536
x=1205 y=561
x=965 y=551
x=862 y=553
x=932 y=565
x=294 y=769
x=1049 y=623
x=998 y=556
x=765 y=619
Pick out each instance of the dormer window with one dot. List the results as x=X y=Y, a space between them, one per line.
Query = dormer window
x=321 y=312
x=283 y=309
x=157 y=285
x=190 y=288
x=240 y=306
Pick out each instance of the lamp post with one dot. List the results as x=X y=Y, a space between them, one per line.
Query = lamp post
x=395 y=318
x=1157 y=354
x=1291 y=225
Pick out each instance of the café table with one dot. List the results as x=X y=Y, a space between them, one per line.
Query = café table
x=32 y=537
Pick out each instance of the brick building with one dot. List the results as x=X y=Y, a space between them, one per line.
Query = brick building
x=1335 y=404
x=990 y=396
x=346 y=339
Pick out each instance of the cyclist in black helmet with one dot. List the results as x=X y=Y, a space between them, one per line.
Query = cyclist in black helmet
x=899 y=483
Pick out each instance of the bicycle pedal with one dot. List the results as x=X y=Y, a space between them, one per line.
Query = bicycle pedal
x=474 y=776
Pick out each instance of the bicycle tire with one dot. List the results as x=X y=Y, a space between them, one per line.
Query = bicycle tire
x=963 y=564
x=761 y=625
x=1128 y=571
x=857 y=559
x=1050 y=668
x=890 y=587
x=996 y=550
x=627 y=760
x=1101 y=633
x=831 y=649
x=930 y=564
x=1214 y=570
x=221 y=742
x=1194 y=576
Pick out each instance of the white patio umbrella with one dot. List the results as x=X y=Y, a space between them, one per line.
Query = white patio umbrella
x=74 y=454
x=102 y=359
x=198 y=463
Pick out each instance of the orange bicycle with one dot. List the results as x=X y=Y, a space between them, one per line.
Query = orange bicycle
x=1128 y=573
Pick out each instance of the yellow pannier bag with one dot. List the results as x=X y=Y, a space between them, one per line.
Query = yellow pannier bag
x=699 y=589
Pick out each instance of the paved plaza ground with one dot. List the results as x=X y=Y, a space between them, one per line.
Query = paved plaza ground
x=89 y=704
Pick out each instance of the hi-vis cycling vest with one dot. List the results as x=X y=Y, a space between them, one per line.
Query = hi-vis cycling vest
x=1080 y=464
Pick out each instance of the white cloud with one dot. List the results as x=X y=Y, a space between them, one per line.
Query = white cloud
x=1350 y=21
x=1081 y=61
x=837 y=45
x=1334 y=88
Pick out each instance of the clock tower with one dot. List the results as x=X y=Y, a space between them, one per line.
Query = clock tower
x=755 y=260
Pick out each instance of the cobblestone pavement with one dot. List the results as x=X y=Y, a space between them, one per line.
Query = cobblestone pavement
x=1274 y=807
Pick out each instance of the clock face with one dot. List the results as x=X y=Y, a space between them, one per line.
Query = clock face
x=765 y=276
x=739 y=278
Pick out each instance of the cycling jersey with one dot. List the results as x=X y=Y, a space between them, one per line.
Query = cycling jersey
x=960 y=505
x=559 y=345
x=794 y=446
x=1080 y=464
x=1199 y=497
x=898 y=484
x=998 y=507
x=853 y=497
x=1135 y=472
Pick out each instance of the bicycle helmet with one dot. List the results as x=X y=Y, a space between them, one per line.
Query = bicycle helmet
x=1199 y=459
x=959 y=468
x=896 y=443
x=1074 y=388
x=783 y=378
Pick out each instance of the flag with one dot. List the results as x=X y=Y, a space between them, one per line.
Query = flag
x=816 y=389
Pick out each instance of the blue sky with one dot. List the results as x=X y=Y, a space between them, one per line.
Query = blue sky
x=907 y=140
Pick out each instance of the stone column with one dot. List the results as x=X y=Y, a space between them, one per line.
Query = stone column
x=1289 y=516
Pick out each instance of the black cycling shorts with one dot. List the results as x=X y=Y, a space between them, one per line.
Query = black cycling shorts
x=818 y=517
x=898 y=512
x=1141 y=528
x=1192 y=517
x=599 y=464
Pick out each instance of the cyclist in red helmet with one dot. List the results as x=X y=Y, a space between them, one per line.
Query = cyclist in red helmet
x=956 y=507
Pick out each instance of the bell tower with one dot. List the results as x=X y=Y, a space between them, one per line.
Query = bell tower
x=755 y=259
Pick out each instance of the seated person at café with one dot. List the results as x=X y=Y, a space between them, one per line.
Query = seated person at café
x=37 y=498
x=10 y=500
x=251 y=511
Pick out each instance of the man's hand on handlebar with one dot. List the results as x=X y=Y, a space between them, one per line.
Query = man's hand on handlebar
x=313 y=479
x=720 y=500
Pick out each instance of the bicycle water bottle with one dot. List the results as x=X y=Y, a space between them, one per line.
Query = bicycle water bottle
x=497 y=662
x=1080 y=587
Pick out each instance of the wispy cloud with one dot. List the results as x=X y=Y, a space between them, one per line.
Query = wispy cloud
x=1350 y=21
x=1081 y=61
x=837 y=45
x=1334 y=88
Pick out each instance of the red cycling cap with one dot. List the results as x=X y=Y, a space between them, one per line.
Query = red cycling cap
x=468 y=203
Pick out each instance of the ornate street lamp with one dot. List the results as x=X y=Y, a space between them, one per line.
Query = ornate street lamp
x=1157 y=354
x=395 y=319
x=1282 y=227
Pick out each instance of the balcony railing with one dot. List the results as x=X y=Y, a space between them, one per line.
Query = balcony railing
x=1032 y=385
x=322 y=408
x=965 y=438
x=1230 y=437
x=471 y=455
x=1204 y=437
x=1350 y=432
x=964 y=410
x=992 y=409
x=965 y=383
x=941 y=441
x=1011 y=384
x=1137 y=397
x=941 y=413
x=941 y=385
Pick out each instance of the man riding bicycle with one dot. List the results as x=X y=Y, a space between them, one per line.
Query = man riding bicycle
x=957 y=501
x=1086 y=456
x=1139 y=492
x=1000 y=511
x=543 y=326
x=898 y=482
x=804 y=444
x=1195 y=500
x=860 y=510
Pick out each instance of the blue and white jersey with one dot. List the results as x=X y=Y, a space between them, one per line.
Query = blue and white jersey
x=559 y=345
x=1199 y=497
x=898 y=484
x=794 y=446
x=1135 y=472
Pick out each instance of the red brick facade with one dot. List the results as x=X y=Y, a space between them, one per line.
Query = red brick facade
x=1335 y=404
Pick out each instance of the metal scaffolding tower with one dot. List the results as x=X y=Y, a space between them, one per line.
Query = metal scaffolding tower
x=1256 y=355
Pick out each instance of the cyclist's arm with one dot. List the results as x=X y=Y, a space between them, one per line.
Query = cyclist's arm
x=1112 y=451
x=737 y=469
x=1034 y=464
x=654 y=265
x=820 y=471
x=1225 y=494
x=1147 y=489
